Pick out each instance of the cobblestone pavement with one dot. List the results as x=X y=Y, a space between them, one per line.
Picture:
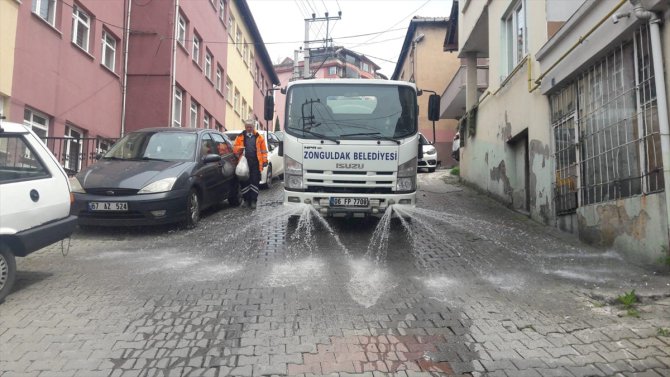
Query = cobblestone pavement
x=463 y=287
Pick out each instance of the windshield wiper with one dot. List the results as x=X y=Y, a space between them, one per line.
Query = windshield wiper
x=153 y=159
x=375 y=135
x=330 y=138
x=112 y=158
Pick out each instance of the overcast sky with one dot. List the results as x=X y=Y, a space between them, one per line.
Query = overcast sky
x=385 y=22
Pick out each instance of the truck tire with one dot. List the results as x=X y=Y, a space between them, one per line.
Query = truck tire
x=7 y=271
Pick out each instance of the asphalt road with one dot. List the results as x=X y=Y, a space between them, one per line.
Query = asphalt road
x=462 y=287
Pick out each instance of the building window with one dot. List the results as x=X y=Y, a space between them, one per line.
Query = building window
x=514 y=37
x=606 y=130
x=365 y=67
x=245 y=52
x=251 y=57
x=37 y=121
x=72 y=149
x=229 y=89
x=195 y=108
x=208 y=65
x=332 y=70
x=205 y=120
x=81 y=27
x=219 y=75
x=181 y=31
x=176 y=108
x=244 y=109
x=108 y=50
x=231 y=23
x=236 y=101
x=45 y=9
x=196 y=48
x=238 y=37
x=222 y=10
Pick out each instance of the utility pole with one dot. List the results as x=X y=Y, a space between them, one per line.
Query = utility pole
x=306 y=72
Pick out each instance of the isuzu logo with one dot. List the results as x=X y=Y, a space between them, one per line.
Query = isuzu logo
x=349 y=166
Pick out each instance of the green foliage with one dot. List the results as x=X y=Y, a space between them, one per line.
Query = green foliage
x=662 y=331
x=628 y=299
x=455 y=171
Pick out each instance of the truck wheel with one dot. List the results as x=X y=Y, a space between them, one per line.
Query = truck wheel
x=7 y=271
x=192 y=210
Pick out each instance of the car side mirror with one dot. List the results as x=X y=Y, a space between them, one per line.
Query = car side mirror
x=211 y=158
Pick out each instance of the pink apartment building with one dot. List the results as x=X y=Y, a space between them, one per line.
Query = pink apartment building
x=79 y=85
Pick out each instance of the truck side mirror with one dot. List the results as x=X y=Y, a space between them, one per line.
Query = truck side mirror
x=269 y=107
x=434 y=107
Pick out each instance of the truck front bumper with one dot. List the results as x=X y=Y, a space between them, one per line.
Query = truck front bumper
x=376 y=203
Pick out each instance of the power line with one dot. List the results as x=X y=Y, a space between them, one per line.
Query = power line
x=396 y=24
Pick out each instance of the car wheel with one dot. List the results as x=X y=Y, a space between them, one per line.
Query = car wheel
x=268 y=177
x=192 y=209
x=7 y=271
x=235 y=195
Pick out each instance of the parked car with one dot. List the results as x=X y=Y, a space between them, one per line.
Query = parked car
x=34 y=199
x=157 y=176
x=429 y=160
x=275 y=166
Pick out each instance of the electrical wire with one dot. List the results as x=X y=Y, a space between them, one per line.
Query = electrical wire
x=396 y=24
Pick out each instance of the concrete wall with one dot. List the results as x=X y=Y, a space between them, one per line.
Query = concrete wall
x=497 y=157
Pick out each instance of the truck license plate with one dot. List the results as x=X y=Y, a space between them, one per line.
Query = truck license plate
x=108 y=206
x=348 y=202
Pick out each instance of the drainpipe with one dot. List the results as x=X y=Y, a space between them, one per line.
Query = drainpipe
x=173 y=64
x=661 y=95
x=124 y=90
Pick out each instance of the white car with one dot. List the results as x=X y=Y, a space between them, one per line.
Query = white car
x=275 y=168
x=34 y=199
x=429 y=160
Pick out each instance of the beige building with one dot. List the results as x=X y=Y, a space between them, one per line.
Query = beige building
x=419 y=63
x=569 y=127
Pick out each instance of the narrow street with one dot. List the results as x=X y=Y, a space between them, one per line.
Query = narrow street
x=461 y=286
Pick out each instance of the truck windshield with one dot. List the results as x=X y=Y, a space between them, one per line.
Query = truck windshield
x=345 y=111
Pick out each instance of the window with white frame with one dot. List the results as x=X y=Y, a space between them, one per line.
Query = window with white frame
x=219 y=75
x=231 y=23
x=238 y=37
x=181 y=30
x=81 y=27
x=365 y=67
x=205 y=120
x=514 y=36
x=46 y=9
x=72 y=148
x=251 y=56
x=236 y=101
x=332 y=70
x=196 y=48
x=208 y=64
x=229 y=89
x=195 y=108
x=108 y=50
x=176 y=107
x=244 y=109
x=37 y=121
x=222 y=10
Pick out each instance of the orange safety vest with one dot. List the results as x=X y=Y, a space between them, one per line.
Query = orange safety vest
x=261 y=148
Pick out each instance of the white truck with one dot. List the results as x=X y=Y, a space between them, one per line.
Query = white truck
x=350 y=146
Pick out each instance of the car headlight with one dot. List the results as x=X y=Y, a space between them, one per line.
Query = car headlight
x=431 y=151
x=163 y=185
x=292 y=174
x=75 y=186
x=407 y=176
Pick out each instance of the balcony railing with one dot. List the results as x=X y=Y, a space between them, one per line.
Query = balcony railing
x=75 y=154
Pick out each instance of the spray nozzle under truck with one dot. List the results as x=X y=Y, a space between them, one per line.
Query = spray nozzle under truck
x=350 y=146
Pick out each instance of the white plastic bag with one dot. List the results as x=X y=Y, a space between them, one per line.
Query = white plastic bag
x=242 y=169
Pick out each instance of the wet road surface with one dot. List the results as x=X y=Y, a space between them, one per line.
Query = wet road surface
x=460 y=286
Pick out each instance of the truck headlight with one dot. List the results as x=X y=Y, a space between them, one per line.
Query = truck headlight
x=292 y=174
x=407 y=176
x=163 y=185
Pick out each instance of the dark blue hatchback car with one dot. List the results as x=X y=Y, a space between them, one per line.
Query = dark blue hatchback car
x=157 y=176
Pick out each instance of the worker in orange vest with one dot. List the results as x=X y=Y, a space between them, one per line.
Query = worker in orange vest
x=252 y=144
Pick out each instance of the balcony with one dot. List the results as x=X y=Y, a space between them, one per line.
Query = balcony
x=452 y=103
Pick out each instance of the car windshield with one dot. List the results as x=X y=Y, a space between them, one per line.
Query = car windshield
x=337 y=111
x=167 y=146
x=423 y=140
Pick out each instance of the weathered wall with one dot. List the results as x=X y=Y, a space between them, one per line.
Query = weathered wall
x=635 y=226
